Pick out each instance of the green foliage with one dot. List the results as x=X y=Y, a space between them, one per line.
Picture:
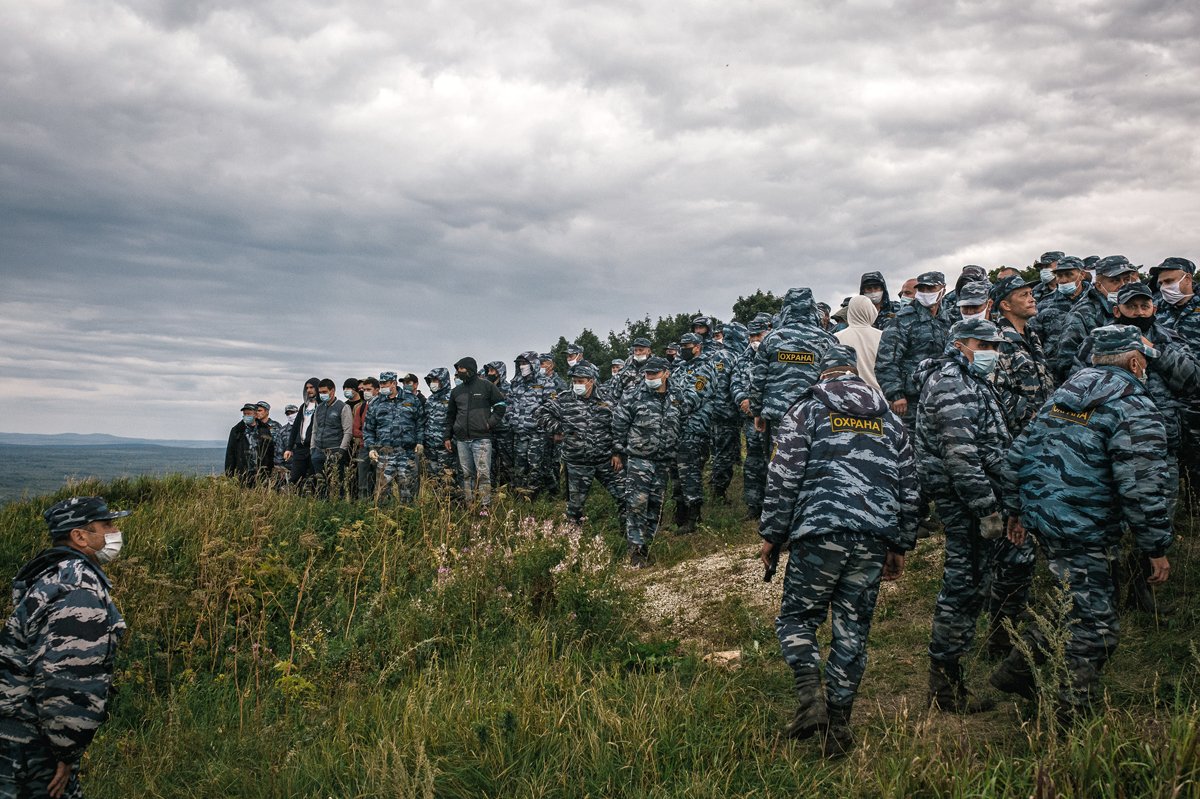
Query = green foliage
x=281 y=646
x=746 y=308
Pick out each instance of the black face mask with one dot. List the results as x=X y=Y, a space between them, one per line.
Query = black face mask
x=687 y=354
x=495 y=378
x=1142 y=323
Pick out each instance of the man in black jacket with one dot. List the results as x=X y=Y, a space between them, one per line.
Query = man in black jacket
x=476 y=407
x=250 y=451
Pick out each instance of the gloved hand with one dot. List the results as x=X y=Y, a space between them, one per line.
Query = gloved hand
x=419 y=449
x=991 y=527
x=373 y=455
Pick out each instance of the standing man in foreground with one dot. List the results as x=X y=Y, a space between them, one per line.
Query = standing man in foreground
x=475 y=410
x=842 y=488
x=56 y=652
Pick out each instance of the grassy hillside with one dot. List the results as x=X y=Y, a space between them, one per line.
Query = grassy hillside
x=282 y=647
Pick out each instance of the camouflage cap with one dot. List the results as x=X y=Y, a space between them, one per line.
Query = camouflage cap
x=758 y=325
x=824 y=306
x=291 y=408
x=974 y=272
x=931 y=279
x=839 y=356
x=1114 y=265
x=1007 y=286
x=1132 y=291
x=976 y=328
x=617 y=362
x=249 y=406
x=673 y=346
x=702 y=320
x=63 y=517
x=386 y=376
x=584 y=369
x=266 y=406
x=1067 y=263
x=846 y=301
x=545 y=357
x=574 y=349
x=1090 y=261
x=656 y=363
x=640 y=341
x=1049 y=257
x=690 y=338
x=974 y=293
x=1117 y=339
x=1175 y=263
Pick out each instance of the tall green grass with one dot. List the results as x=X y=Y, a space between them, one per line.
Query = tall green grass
x=281 y=646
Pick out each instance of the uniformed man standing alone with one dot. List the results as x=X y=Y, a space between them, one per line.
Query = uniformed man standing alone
x=842 y=488
x=57 y=650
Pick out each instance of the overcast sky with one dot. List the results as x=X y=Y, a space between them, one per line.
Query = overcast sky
x=203 y=203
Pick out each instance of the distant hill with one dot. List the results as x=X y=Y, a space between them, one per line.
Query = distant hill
x=99 y=440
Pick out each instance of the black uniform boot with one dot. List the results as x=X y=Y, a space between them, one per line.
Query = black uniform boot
x=1013 y=676
x=810 y=713
x=998 y=643
x=637 y=555
x=680 y=517
x=838 y=741
x=948 y=693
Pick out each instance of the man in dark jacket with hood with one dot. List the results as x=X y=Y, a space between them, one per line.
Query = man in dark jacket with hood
x=476 y=408
x=1088 y=467
x=873 y=286
x=57 y=652
x=300 y=442
x=842 y=488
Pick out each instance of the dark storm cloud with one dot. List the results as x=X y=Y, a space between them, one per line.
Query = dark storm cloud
x=207 y=202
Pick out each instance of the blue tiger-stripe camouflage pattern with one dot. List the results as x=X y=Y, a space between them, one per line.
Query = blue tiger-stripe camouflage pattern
x=913 y=336
x=789 y=359
x=437 y=459
x=1022 y=379
x=1090 y=311
x=645 y=488
x=56 y=653
x=687 y=471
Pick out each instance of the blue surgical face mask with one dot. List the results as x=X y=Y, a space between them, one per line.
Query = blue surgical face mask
x=348 y=394
x=247 y=418
x=984 y=362
x=385 y=391
x=1047 y=275
x=324 y=396
x=906 y=301
x=655 y=383
x=1067 y=289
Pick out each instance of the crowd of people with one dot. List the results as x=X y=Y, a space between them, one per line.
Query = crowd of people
x=1060 y=414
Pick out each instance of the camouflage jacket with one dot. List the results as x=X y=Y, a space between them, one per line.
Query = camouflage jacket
x=279 y=435
x=1091 y=461
x=57 y=651
x=585 y=424
x=647 y=424
x=739 y=381
x=915 y=335
x=397 y=421
x=721 y=361
x=1184 y=320
x=1022 y=378
x=1089 y=312
x=788 y=361
x=698 y=378
x=961 y=435
x=436 y=408
x=505 y=387
x=530 y=395
x=843 y=463
x=1051 y=315
x=1172 y=379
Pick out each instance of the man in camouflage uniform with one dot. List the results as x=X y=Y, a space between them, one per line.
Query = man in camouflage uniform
x=1179 y=311
x=630 y=375
x=842 y=489
x=1023 y=382
x=610 y=389
x=1046 y=283
x=961 y=443
x=582 y=419
x=1091 y=464
x=694 y=371
x=1071 y=284
x=724 y=441
x=440 y=465
x=262 y=412
x=544 y=452
x=521 y=405
x=392 y=433
x=873 y=286
x=503 y=437
x=282 y=438
x=647 y=425
x=57 y=652
x=1092 y=310
x=754 y=470
x=971 y=273
x=672 y=353
x=918 y=332
x=788 y=361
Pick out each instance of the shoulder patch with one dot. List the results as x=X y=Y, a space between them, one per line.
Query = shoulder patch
x=1068 y=415
x=842 y=423
x=802 y=358
x=720 y=365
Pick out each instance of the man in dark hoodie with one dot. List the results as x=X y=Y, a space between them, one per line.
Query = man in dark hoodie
x=57 y=652
x=873 y=286
x=299 y=447
x=842 y=488
x=476 y=408
x=1089 y=466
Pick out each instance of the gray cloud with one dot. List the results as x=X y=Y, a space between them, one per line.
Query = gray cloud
x=207 y=202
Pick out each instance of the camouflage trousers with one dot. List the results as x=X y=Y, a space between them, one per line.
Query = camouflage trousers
x=503 y=446
x=580 y=477
x=754 y=471
x=397 y=471
x=964 y=581
x=438 y=460
x=688 y=468
x=645 y=486
x=839 y=574
x=726 y=444
x=26 y=770
x=1092 y=622
x=525 y=466
x=1011 y=578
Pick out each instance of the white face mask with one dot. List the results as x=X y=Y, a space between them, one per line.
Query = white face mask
x=874 y=296
x=573 y=361
x=755 y=345
x=640 y=358
x=1112 y=297
x=1171 y=294
x=980 y=315
x=112 y=547
x=526 y=370
x=434 y=385
x=579 y=388
x=929 y=298
x=656 y=383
